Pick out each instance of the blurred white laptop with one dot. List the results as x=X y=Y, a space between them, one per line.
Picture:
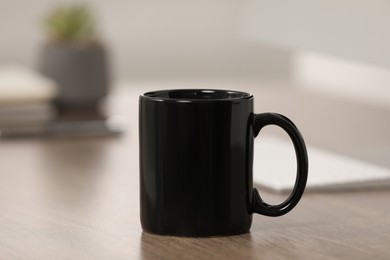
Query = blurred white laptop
x=274 y=168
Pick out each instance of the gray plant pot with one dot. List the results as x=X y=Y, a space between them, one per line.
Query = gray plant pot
x=81 y=73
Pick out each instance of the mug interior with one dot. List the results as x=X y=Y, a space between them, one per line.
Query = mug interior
x=198 y=94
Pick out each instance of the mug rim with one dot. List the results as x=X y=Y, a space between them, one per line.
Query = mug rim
x=158 y=95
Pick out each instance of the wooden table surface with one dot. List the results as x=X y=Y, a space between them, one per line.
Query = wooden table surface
x=78 y=199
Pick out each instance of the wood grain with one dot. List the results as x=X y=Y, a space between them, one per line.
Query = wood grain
x=78 y=199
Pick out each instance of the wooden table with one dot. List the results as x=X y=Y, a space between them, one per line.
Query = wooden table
x=78 y=199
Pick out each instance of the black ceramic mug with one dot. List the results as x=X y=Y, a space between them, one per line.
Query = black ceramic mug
x=196 y=157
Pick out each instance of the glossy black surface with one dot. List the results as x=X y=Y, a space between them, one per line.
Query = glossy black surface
x=196 y=153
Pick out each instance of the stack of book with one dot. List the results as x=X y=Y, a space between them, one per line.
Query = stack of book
x=26 y=102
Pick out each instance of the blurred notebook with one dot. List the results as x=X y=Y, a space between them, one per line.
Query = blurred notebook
x=69 y=123
x=274 y=168
x=27 y=109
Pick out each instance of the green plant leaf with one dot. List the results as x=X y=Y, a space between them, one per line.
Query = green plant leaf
x=71 y=24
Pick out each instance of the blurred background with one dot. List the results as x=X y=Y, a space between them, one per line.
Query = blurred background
x=76 y=69
x=334 y=54
x=153 y=39
x=219 y=39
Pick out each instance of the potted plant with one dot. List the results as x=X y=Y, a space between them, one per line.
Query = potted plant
x=74 y=57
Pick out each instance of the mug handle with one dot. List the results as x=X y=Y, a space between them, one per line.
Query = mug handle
x=258 y=205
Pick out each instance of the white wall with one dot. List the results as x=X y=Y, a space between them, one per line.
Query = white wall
x=153 y=38
x=342 y=46
x=342 y=78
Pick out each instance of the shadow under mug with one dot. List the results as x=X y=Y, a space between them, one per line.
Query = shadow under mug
x=196 y=158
